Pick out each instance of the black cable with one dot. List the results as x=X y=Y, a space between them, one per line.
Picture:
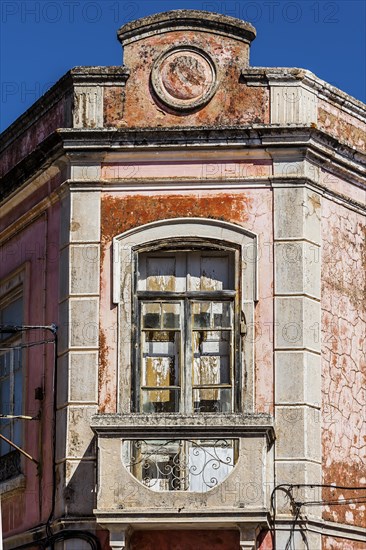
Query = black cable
x=292 y=530
x=288 y=488
x=52 y=512
x=345 y=501
x=27 y=345
x=66 y=534
x=324 y=485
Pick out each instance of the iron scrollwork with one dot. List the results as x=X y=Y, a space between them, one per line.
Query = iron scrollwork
x=181 y=465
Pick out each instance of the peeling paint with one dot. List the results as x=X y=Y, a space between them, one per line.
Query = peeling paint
x=344 y=127
x=343 y=358
x=233 y=103
x=106 y=397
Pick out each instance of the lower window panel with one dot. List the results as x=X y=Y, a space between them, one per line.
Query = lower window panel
x=180 y=465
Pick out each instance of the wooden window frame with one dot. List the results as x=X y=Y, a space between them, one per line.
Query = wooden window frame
x=186 y=299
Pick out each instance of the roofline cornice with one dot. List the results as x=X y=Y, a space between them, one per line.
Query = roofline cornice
x=78 y=76
x=292 y=76
x=325 y=149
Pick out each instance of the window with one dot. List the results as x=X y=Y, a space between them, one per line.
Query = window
x=186 y=342
x=185 y=290
x=11 y=376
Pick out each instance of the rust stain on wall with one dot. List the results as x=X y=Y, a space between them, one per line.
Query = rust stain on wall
x=114 y=100
x=120 y=214
x=105 y=397
x=332 y=543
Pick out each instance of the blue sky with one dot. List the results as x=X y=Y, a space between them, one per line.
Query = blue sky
x=43 y=39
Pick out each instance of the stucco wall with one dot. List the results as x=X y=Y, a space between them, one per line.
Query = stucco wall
x=36 y=248
x=343 y=360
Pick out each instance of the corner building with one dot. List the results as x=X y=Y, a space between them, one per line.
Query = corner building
x=195 y=227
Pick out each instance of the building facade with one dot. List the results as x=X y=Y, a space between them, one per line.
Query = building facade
x=182 y=302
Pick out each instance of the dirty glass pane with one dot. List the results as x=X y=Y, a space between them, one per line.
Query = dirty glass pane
x=171 y=315
x=5 y=396
x=211 y=368
x=213 y=461
x=160 y=401
x=219 y=402
x=157 y=464
x=221 y=314
x=6 y=431
x=201 y=314
x=4 y=363
x=180 y=465
x=151 y=315
x=11 y=314
x=160 y=368
x=211 y=353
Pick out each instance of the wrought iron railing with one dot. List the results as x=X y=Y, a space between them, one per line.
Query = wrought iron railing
x=180 y=465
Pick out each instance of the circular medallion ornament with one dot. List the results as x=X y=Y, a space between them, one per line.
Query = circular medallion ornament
x=184 y=78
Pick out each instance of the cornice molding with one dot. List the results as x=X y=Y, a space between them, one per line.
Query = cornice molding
x=293 y=76
x=325 y=150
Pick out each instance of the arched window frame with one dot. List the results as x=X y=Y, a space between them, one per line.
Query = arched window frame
x=203 y=232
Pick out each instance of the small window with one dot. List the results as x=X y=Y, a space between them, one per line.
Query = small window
x=11 y=381
x=186 y=331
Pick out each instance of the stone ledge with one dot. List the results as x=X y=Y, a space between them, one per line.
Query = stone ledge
x=203 y=425
x=186 y=20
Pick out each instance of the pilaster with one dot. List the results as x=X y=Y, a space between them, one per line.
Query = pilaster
x=77 y=369
x=297 y=352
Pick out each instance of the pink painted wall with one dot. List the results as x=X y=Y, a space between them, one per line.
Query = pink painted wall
x=35 y=246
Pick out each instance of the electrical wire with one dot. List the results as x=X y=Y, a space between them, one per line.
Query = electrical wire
x=65 y=534
x=296 y=506
x=27 y=345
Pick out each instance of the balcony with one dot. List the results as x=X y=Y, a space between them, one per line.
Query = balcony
x=210 y=470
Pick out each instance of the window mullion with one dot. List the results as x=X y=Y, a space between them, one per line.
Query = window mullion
x=188 y=367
